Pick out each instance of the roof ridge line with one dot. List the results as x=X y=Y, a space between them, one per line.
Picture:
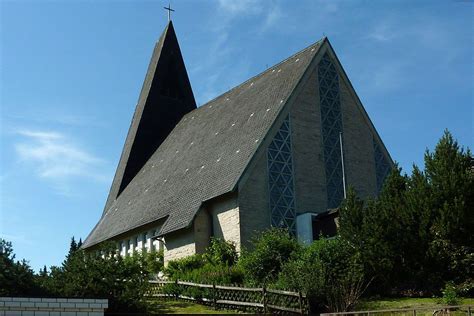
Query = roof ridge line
x=259 y=74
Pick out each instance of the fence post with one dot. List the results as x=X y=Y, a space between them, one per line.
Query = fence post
x=264 y=293
x=214 y=295
x=414 y=312
x=177 y=291
x=300 y=297
x=469 y=311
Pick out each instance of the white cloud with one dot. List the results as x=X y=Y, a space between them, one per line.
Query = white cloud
x=382 y=33
x=55 y=156
x=234 y=7
x=273 y=16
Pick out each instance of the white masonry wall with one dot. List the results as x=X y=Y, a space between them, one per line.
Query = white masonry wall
x=24 y=306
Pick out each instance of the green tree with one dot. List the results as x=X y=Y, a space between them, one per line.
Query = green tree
x=450 y=176
x=418 y=234
x=16 y=277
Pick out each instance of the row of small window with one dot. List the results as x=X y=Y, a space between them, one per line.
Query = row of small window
x=140 y=242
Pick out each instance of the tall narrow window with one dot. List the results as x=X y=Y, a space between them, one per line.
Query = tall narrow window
x=280 y=172
x=382 y=166
x=331 y=126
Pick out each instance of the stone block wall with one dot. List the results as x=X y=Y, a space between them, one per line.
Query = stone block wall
x=358 y=147
x=225 y=216
x=202 y=230
x=179 y=244
x=25 y=306
x=307 y=146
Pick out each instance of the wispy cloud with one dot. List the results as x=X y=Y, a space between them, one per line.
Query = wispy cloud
x=273 y=16
x=382 y=33
x=238 y=7
x=55 y=156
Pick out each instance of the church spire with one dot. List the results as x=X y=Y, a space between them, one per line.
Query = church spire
x=166 y=96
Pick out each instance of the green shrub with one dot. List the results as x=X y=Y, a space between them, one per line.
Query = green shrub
x=271 y=250
x=450 y=294
x=329 y=271
x=177 y=268
x=221 y=252
x=195 y=292
x=172 y=289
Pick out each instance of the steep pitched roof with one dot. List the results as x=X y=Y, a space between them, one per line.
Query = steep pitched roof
x=166 y=96
x=205 y=154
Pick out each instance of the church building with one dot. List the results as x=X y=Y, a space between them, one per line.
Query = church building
x=278 y=150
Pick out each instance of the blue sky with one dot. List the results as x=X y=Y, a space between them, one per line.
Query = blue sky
x=71 y=72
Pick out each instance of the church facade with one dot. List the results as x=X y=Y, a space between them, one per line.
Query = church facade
x=278 y=150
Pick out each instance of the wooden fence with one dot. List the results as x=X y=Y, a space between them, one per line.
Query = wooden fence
x=428 y=310
x=233 y=297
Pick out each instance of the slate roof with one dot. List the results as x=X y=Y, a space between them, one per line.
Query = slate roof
x=205 y=155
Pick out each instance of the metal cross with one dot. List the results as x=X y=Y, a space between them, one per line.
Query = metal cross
x=169 y=11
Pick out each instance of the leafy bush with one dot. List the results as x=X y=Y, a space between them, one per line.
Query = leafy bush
x=329 y=271
x=172 y=289
x=221 y=252
x=177 y=268
x=450 y=294
x=214 y=266
x=271 y=250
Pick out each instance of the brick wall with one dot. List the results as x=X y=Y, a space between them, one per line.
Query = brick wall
x=12 y=306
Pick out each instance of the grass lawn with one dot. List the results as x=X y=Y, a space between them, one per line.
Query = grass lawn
x=160 y=306
x=397 y=303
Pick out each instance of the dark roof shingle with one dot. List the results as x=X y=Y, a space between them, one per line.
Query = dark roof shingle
x=205 y=155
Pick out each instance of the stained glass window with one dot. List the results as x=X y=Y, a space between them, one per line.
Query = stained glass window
x=331 y=125
x=280 y=172
x=382 y=166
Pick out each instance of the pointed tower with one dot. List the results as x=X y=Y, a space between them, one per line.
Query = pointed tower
x=166 y=96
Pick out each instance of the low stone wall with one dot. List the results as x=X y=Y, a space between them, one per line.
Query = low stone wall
x=24 y=306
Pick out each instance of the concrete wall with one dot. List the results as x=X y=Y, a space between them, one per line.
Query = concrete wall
x=225 y=216
x=12 y=306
